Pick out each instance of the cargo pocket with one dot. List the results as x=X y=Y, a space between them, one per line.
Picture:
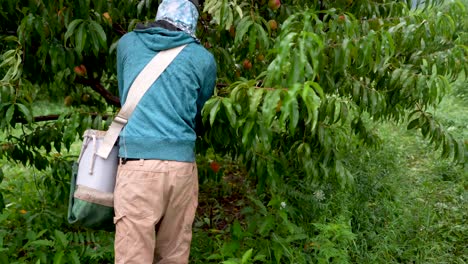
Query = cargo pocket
x=120 y=245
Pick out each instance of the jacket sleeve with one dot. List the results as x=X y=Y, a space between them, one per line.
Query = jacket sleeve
x=120 y=68
x=206 y=91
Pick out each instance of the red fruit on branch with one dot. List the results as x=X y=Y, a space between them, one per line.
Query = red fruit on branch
x=274 y=4
x=247 y=64
x=273 y=24
x=107 y=17
x=232 y=31
x=80 y=70
x=215 y=166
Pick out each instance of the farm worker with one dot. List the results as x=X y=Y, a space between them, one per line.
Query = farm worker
x=156 y=193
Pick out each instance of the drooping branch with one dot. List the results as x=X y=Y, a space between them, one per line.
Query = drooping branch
x=45 y=118
x=56 y=117
x=119 y=29
x=99 y=88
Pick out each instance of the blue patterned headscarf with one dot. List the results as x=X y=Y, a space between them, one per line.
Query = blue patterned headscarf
x=183 y=14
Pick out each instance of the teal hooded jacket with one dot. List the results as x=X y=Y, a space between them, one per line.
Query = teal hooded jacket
x=163 y=124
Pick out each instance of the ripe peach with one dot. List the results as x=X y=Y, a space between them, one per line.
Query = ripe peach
x=274 y=4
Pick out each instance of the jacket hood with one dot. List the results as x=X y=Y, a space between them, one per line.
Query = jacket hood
x=157 y=38
x=183 y=14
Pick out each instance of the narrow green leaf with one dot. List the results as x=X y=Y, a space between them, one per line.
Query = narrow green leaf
x=58 y=258
x=80 y=38
x=343 y=112
x=294 y=114
x=26 y=112
x=2 y=203
x=71 y=28
x=459 y=152
x=237 y=232
x=101 y=34
x=246 y=136
x=413 y=124
x=317 y=88
x=42 y=242
x=9 y=114
x=242 y=28
x=247 y=256
x=214 y=110
x=229 y=262
x=270 y=104
x=61 y=238
x=230 y=112
x=253 y=39
x=255 y=100
x=262 y=37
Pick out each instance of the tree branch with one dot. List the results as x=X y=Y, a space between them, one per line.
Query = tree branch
x=56 y=117
x=119 y=29
x=99 y=88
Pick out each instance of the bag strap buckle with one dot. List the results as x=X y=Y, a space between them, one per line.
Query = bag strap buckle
x=121 y=120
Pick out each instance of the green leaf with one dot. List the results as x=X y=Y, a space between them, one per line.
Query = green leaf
x=270 y=104
x=230 y=262
x=260 y=257
x=255 y=100
x=247 y=256
x=42 y=242
x=230 y=112
x=262 y=37
x=2 y=203
x=214 y=256
x=71 y=28
x=413 y=124
x=343 y=112
x=312 y=102
x=317 y=88
x=94 y=42
x=26 y=112
x=267 y=224
x=100 y=33
x=2 y=175
x=58 y=257
x=294 y=116
x=61 y=238
x=9 y=114
x=80 y=38
x=74 y=257
x=460 y=152
x=253 y=39
x=237 y=232
x=242 y=28
x=246 y=136
x=214 y=110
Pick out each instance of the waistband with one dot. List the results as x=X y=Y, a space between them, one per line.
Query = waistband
x=124 y=160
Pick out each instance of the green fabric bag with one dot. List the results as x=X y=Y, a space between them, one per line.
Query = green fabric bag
x=89 y=213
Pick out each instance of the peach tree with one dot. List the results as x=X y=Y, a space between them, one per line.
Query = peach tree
x=300 y=83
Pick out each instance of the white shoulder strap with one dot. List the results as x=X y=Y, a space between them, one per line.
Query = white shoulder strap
x=140 y=85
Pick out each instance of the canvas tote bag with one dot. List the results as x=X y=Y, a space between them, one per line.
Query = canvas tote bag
x=91 y=202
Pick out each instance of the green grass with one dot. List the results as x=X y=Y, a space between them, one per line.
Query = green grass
x=416 y=204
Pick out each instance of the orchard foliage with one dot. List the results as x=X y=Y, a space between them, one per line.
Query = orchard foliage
x=301 y=83
x=326 y=77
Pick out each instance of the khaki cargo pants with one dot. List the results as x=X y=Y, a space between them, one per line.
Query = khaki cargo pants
x=155 y=203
